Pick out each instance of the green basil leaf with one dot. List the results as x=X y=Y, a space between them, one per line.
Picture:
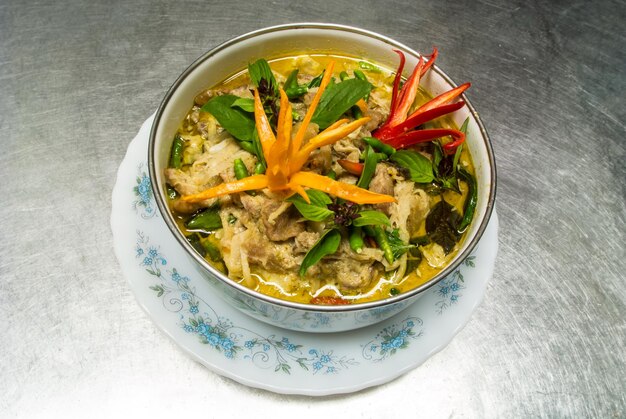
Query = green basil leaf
x=326 y=245
x=207 y=220
x=419 y=167
x=371 y=217
x=338 y=99
x=441 y=225
x=316 y=81
x=316 y=210
x=398 y=247
x=292 y=89
x=238 y=123
x=244 y=103
x=259 y=70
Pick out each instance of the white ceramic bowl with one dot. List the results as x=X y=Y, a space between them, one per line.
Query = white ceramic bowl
x=279 y=41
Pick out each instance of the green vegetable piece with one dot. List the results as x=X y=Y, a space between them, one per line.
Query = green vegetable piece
x=469 y=207
x=369 y=67
x=258 y=148
x=398 y=247
x=176 y=155
x=332 y=174
x=420 y=240
x=371 y=217
x=379 y=146
x=359 y=75
x=194 y=241
x=238 y=123
x=413 y=260
x=260 y=70
x=457 y=153
x=381 y=239
x=371 y=160
x=206 y=221
x=444 y=169
x=210 y=245
x=394 y=291
x=441 y=225
x=244 y=103
x=356 y=239
x=317 y=81
x=171 y=192
x=326 y=245
x=292 y=88
x=259 y=168
x=343 y=75
x=241 y=171
x=356 y=112
x=338 y=100
x=419 y=167
x=317 y=210
x=248 y=146
x=232 y=219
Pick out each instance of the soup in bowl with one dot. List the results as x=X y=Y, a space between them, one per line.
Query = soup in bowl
x=322 y=176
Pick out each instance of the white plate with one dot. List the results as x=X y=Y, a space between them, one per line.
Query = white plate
x=171 y=289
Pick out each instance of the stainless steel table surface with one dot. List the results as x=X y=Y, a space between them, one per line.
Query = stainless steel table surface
x=78 y=78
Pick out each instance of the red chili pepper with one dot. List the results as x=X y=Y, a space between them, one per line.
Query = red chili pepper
x=441 y=99
x=351 y=167
x=415 y=120
x=327 y=300
x=399 y=129
x=420 y=136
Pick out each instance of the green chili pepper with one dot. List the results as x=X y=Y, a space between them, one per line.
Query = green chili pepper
x=359 y=75
x=259 y=168
x=378 y=145
x=369 y=67
x=356 y=239
x=343 y=75
x=171 y=192
x=176 y=155
x=207 y=220
x=248 y=146
x=381 y=239
x=470 y=202
x=371 y=159
x=241 y=171
x=356 y=112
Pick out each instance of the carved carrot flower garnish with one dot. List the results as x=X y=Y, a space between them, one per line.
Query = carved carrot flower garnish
x=285 y=156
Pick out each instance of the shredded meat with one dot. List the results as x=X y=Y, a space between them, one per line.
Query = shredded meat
x=279 y=220
x=382 y=183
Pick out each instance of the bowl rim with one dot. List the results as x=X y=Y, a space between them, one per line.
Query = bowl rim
x=224 y=279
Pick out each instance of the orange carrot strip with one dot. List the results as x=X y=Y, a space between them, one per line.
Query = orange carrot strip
x=246 y=184
x=328 y=73
x=362 y=104
x=342 y=190
x=300 y=191
x=278 y=169
x=263 y=125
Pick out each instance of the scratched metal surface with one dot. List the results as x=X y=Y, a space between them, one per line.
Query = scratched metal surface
x=77 y=80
